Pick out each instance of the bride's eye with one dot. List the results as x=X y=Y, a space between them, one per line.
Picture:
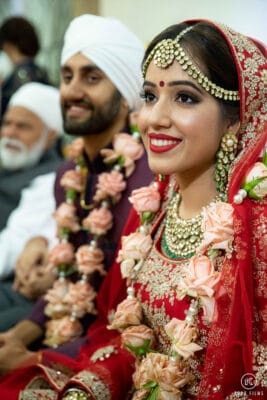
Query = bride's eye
x=147 y=97
x=186 y=98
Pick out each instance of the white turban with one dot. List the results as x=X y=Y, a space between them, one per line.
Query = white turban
x=112 y=47
x=42 y=100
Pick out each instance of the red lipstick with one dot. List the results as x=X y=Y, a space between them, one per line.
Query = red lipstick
x=161 y=143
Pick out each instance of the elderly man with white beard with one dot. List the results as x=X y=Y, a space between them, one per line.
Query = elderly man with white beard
x=29 y=158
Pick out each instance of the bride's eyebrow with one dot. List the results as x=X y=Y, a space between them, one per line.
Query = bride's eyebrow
x=184 y=83
x=175 y=83
x=148 y=83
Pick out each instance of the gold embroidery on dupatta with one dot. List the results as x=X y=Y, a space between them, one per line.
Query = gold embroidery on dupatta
x=38 y=394
x=103 y=353
x=252 y=91
x=39 y=389
x=260 y=363
x=259 y=253
x=93 y=383
x=55 y=376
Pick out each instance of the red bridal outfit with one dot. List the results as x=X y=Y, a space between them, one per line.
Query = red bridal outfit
x=225 y=356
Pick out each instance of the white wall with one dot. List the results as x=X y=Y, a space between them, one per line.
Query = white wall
x=148 y=17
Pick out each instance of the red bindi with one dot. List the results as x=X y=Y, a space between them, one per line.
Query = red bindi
x=161 y=83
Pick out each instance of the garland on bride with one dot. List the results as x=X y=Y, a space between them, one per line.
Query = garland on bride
x=158 y=375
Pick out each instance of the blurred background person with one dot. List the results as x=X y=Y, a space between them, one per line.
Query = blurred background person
x=29 y=154
x=19 y=40
x=5 y=66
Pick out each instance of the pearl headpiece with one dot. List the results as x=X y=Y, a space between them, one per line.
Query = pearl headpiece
x=168 y=50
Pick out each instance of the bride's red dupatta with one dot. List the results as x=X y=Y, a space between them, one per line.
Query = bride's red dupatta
x=236 y=352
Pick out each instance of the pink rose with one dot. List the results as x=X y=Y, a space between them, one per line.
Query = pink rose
x=208 y=306
x=66 y=217
x=140 y=394
x=75 y=148
x=129 y=312
x=166 y=395
x=217 y=227
x=201 y=278
x=182 y=335
x=99 y=221
x=137 y=335
x=259 y=170
x=146 y=199
x=127 y=268
x=90 y=259
x=72 y=179
x=169 y=375
x=81 y=298
x=62 y=253
x=127 y=146
x=144 y=372
x=59 y=331
x=135 y=246
x=57 y=307
x=110 y=184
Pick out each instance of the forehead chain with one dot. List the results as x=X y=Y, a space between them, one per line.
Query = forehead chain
x=168 y=50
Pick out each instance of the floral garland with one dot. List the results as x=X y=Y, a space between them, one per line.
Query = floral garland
x=68 y=301
x=160 y=376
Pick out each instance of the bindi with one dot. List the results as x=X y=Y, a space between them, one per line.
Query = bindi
x=161 y=83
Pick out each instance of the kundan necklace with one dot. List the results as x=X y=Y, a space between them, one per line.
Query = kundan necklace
x=181 y=237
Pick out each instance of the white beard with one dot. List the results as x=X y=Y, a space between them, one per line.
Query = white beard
x=21 y=157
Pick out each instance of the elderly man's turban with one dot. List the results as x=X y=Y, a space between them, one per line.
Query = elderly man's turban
x=42 y=100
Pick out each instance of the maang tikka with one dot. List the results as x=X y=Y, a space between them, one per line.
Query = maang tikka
x=168 y=50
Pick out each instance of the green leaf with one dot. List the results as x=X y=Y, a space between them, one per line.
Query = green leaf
x=153 y=394
x=134 y=128
x=66 y=268
x=121 y=160
x=64 y=233
x=140 y=350
x=264 y=160
x=253 y=195
x=150 y=385
x=146 y=216
x=70 y=271
x=71 y=194
x=250 y=185
x=80 y=161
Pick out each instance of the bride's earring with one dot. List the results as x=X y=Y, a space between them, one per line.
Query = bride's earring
x=224 y=157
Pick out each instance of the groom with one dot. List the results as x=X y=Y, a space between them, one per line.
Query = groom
x=100 y=85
